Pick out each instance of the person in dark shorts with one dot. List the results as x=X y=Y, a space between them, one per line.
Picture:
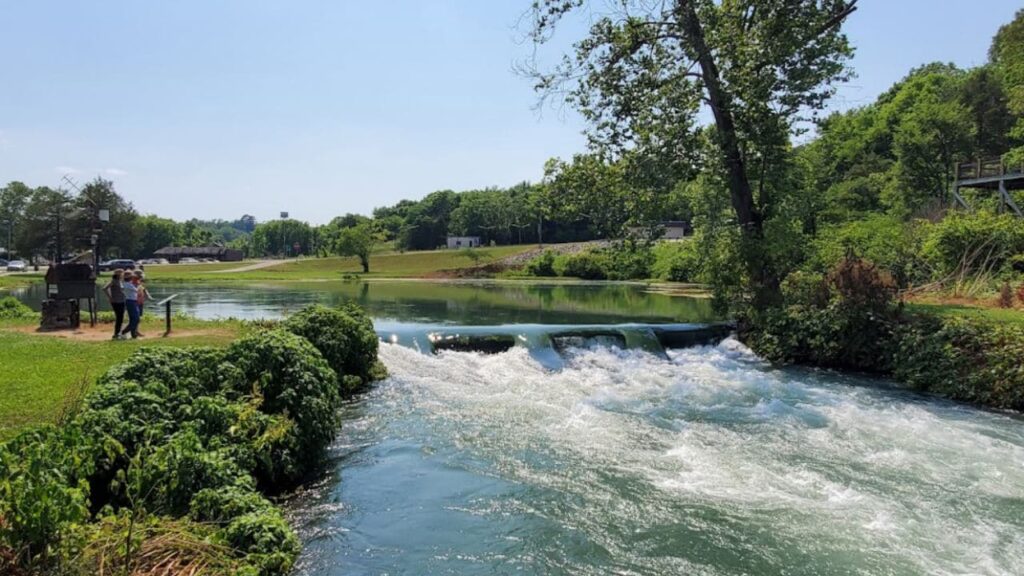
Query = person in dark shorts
x=115 y=295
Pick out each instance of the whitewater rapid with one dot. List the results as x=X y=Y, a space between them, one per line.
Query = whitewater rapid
x=707 y=462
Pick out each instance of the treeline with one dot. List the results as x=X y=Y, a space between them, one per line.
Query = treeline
x=581 y=200
x=44 y=221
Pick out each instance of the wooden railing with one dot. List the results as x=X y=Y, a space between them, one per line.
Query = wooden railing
x=986 y=168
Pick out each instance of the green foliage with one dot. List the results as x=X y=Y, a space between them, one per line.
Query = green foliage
x=888 y=242
x=12 y=309
x=844 y=320
x=971 y=243
x=172 y=438
x=279 y=237
x=44 y=491
x=970 y=360
x=1007 y=56
x=346 y=339
x=290 y=377
x=543 y=265
x=265 y=538
x=591 y=265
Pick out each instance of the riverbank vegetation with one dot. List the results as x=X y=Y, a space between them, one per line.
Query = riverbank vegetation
x=814 y=243
x=168 y=462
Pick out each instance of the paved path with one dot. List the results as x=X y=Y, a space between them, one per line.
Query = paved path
x=249 y=267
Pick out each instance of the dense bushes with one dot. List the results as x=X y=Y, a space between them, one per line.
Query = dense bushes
x=180 y=446
x=12 y=309
x=672 y=261
x=969 y=360
x=975 y=242
x=345 y=338
x=842 y=320
x=850 y=320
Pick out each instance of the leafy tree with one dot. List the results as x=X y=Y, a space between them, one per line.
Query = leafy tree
x=280 y=237
x=358 y=241
x=120 y=234
x=45 y=223
x=156 y=233
x=1007 y=56
x=931 y=136
x=643 y=72
x=13 y=199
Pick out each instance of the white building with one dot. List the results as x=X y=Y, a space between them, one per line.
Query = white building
x=463 y=241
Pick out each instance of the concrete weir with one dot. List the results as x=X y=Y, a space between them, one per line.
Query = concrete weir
x=550 y=343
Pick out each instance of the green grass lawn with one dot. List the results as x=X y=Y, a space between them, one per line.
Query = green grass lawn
x=382 y=265
x=1007 y=315
x=37 y=371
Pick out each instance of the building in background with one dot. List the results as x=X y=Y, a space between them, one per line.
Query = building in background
x=176 y=253
x=463 y=241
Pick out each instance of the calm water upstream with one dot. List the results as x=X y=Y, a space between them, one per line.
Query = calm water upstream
x=704 y=461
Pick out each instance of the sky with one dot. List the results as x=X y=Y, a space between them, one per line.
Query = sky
x=218 y=108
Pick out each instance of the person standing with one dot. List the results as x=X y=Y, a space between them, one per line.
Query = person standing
x=131 y=304
x=143 y=295
x=115 y=295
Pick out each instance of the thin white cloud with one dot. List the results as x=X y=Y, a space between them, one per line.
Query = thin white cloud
x=115 y=172
x=67 y=170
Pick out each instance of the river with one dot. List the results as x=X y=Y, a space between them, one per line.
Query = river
x=704 y=460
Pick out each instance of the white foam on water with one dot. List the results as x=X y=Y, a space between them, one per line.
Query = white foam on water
x=712 y=461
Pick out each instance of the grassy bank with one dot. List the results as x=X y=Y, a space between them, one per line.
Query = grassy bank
x=37 y=371
x=425 y=264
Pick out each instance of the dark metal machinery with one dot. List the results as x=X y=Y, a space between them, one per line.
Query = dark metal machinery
x=66 y=286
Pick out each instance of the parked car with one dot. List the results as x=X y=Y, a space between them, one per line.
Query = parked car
x=17 y=266
x=123 y=264
x=188 y=260
x=3 y=263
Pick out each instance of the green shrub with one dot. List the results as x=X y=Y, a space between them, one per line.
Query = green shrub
x=178 y=469
x=222 y=505
x=12 y=309
x=543 y=265
x=346 y=339
x=628 y=262
x=292 y=378
x=44 y=491
x=188 y=433
x=583 y=265
x=266 y=540
x=886 y=241
x=965 y=359
x=676 y=261
x=843 y=321
x=974 y=242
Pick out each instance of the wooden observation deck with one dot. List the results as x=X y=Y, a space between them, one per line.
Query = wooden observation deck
x=990 y=174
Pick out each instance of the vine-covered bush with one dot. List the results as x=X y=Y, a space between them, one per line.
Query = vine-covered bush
x=12 y=309
x=346 y=339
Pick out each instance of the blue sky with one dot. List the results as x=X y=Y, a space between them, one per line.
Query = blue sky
x=212 y=109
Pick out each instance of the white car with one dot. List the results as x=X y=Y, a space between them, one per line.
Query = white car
x=187 y=260
x=17 y=266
